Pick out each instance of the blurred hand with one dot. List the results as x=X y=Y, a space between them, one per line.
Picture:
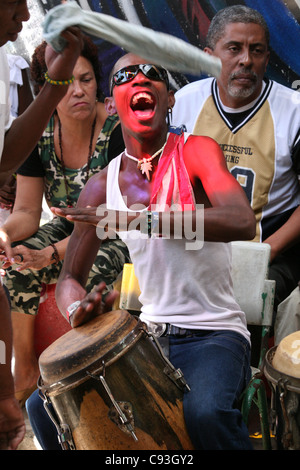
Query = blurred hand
x=5 y=246
x=12 y=425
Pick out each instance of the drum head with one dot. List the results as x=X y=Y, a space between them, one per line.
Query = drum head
x=276 y=377
x=287 y=356
x=86 y=347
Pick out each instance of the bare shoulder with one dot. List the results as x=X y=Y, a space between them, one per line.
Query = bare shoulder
x=202 y=144
x=202 y=155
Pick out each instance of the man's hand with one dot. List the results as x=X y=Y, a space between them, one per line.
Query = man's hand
x=92 y=305
x=60 y=65
x=110 y=221
x=86 y=215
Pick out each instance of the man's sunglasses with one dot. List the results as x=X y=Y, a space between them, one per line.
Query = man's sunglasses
x=128 y=73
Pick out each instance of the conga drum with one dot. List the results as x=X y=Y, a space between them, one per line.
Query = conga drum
x=282 y=370
x=111 y=388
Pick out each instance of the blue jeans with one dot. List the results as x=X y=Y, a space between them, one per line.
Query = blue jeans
x=42 y=426
x=216 y=366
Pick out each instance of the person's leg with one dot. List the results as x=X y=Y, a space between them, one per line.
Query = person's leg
x=42 y=426
x=25 y=290
x=216 y=367
x=25 y=371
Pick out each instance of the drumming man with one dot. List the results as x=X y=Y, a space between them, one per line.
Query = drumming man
x=186 y=289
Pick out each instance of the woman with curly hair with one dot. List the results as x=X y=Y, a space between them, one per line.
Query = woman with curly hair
x=80 y=140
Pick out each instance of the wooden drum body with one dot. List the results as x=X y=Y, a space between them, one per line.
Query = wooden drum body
x=112 y=388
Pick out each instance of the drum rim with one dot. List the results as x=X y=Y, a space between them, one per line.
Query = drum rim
x=75 y=379
x=276 y=377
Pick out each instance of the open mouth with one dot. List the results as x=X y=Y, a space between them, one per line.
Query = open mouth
x=143 y=104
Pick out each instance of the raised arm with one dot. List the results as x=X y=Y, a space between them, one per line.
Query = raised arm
x=26 y=130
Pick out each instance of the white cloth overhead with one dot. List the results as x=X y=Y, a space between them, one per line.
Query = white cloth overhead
x=6 y=117
x=164 y=49
x=16 y=64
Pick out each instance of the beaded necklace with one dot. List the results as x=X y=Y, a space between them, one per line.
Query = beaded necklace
x=62 y=157
x=145 y=164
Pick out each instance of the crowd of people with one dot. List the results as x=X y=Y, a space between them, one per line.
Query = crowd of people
x=230 y=157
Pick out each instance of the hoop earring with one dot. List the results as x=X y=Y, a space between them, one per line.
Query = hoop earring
x=169 y=116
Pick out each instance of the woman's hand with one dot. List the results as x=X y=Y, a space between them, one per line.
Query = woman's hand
x=27 y=258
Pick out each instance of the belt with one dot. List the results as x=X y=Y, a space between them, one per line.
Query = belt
x=166 y=329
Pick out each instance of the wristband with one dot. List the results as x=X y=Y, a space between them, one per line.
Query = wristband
x=154 y=223
x=58 y=82
x=71 y=309
x=147 y=228
x=55 y=256
x=151 y=225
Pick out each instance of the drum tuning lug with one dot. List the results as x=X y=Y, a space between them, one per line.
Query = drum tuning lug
x=65 y=437
x=117 y=415
x=174 y=374
x=64 y=433
x=177 y=377
x=120 y=413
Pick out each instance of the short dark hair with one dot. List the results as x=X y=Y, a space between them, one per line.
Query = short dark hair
x=38 y=65
x=233 y=14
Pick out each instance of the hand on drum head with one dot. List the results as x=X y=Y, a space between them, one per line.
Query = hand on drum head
x=93 y=305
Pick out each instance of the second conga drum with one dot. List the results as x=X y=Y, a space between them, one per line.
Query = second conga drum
x=282 y=369
x=112 y=389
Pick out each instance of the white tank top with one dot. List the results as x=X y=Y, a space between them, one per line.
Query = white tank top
x=186 y=288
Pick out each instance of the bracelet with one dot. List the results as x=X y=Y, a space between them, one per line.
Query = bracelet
x=72 y=309
x=55 y=256
x=151 y=224
x=146 y=229
x=154 y=223
x=58 y=82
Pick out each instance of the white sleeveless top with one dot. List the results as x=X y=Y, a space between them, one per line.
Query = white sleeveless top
x=187 y=288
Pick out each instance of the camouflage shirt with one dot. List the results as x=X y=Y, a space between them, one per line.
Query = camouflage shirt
x=44 y=162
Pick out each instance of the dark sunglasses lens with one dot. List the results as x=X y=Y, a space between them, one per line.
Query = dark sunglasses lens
x=150 y=72
x=156 y=73
x=125 y=75
x=128 y=73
